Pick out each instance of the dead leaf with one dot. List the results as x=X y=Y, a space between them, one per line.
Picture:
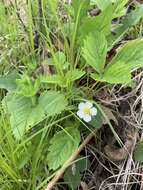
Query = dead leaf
x=84 y=186
x=119 y=154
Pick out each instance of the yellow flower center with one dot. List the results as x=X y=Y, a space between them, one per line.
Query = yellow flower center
x=86 y=110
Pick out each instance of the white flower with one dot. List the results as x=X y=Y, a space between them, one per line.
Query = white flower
x=86 y=111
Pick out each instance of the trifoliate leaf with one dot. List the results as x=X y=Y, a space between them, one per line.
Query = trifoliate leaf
x=63 y=144
x=23 y=114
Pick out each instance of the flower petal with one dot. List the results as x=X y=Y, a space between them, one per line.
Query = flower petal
x=93 y=111
x=87 y=118
x=81 y=105
x=89 y=104
x=80 y=114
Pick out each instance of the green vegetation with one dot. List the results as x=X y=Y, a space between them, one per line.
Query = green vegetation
x=53 y=57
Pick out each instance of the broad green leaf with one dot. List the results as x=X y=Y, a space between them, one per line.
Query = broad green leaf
x=53 y=79
x=139 y=152
x=72 y=175
x=118 y=73
x=63 y=144
x=80 y=13
x=8 y=82
x=94 y=51
x=71 y=178
x=74 y=74
x=52 y=102
x=119 y=6
x=19 y=109
x=102 y=23
x=129 y=57
x=102 y=4
x=80 y=8
x=131 y=54
x=130 y=20
x=62 y=81
x=24 y=115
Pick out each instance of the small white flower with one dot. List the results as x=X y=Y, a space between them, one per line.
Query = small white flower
x=86 y=111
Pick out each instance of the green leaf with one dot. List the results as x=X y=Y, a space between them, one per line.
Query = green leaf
x=24 y=115
x=139 y=152
x=101 y=23
x=52 y=102
x=102 y=4
x=63 y=144
x=72 y=179
x=129 y=57
x=19 y=109
x=72 y=175
x=70 y=76
x=118 y=73
x=119 y=8
x=26 y=86
x=130 y=20
x=131 y=54
x=74 y=74
x=53 y=79
x=8 y=82
x=80 y=8
x=24 y=155
x=94 y=51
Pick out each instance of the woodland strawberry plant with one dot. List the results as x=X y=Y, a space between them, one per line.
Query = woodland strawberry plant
x=67 y=55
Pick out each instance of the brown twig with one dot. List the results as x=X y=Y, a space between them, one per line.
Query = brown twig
x=61 y=171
